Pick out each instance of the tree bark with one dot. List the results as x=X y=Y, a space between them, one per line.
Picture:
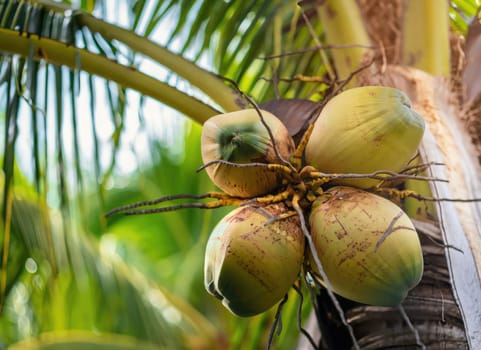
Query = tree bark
x=444 y=310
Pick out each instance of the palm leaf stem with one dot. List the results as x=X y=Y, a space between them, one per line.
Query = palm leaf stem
x=334 y=15
x=11 y=133
x=60 y=54
x=426 y=36
x=33 y=71
x=210 y=84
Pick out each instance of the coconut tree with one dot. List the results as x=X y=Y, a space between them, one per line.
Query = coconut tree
x=289 y=58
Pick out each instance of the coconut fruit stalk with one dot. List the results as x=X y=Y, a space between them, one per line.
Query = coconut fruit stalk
x=363 y=130
x=249 y=265
x=241 y=137
x=368 y=247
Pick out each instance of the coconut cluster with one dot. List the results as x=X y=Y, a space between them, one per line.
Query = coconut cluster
x=365 y=247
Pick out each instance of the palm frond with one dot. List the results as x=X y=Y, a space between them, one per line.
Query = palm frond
x=236 y=38
x=84 y=271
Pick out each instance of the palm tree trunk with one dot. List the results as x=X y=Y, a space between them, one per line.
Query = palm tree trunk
x=444 y=310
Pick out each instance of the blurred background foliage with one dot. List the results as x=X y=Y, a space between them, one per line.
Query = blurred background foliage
x=76 y=145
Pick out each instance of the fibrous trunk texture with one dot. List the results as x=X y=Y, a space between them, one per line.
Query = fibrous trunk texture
x=444 y=310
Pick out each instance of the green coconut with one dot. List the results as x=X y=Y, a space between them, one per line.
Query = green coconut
x=249 y=265
x=241 y=137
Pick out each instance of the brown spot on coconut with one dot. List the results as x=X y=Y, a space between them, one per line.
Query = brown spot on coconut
x=379 y=258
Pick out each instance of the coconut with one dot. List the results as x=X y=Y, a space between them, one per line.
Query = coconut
x=368 y=247
x=249 y=265
x=241 y=137
x=363 y=130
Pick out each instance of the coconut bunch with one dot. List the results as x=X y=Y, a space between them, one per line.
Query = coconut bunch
x=362 y=246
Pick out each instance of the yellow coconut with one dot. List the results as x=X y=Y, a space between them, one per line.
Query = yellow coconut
x=368 y=246
x=363 y=130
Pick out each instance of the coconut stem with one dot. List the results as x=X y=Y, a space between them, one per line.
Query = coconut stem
x=383 y=175
x=222 y=200
x=334 y=16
